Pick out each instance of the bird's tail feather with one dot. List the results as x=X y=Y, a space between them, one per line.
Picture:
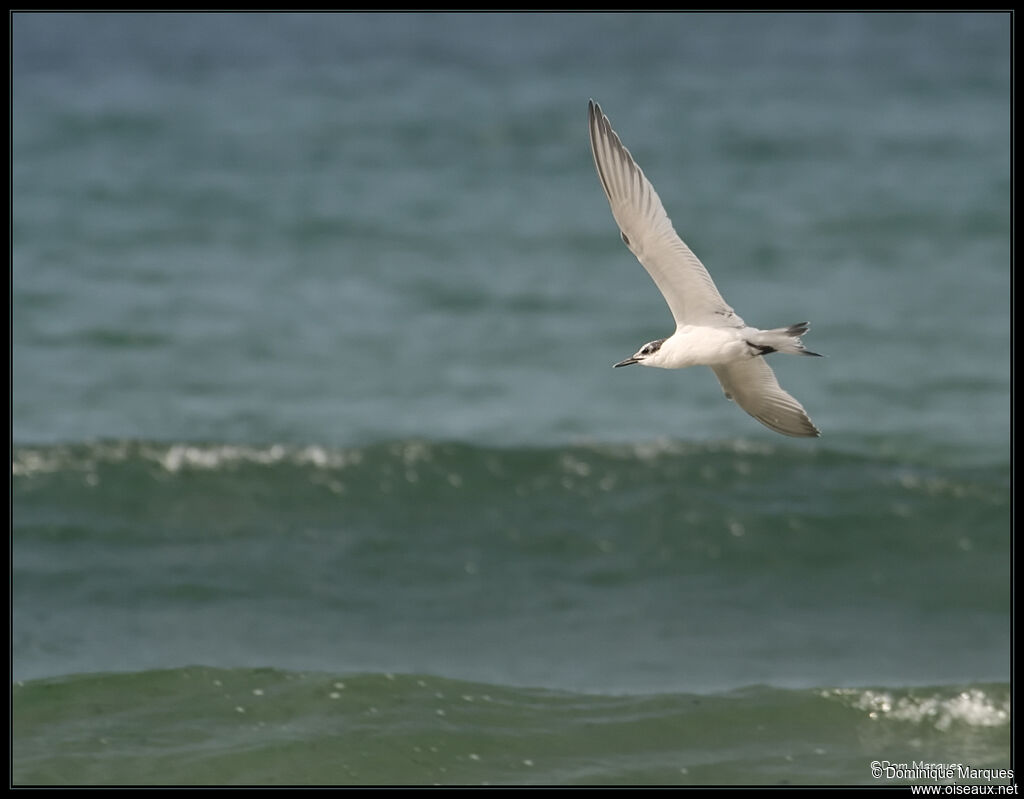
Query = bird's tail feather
x=784 y=339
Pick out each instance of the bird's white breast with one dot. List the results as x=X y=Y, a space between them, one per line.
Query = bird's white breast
x=693 y=345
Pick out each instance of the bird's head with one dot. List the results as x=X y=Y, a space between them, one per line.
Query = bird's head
x=646 y=355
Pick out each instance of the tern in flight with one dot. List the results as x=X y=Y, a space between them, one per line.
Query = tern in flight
x=708 y=332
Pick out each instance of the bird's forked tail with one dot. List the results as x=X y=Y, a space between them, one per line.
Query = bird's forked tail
x=783 y=339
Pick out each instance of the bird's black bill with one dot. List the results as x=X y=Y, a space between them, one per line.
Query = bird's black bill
x=626 y=362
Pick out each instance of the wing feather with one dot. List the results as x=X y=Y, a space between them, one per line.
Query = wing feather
x=646 y=229
x=753 y=386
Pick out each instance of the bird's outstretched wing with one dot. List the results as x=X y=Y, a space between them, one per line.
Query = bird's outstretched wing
x=753 y=386
x=647 y=231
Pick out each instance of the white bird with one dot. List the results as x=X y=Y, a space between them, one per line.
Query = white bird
x=708 y=332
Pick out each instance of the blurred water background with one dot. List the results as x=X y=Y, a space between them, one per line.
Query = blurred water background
x=320 y=473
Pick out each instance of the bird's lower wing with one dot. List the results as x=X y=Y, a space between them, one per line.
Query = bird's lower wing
x=752 y=385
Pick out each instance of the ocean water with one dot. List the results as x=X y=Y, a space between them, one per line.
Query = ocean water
x=321 y=475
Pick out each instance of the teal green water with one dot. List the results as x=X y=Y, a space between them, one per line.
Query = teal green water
x=632 y=582
x=313 y=320
x=201 y=725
